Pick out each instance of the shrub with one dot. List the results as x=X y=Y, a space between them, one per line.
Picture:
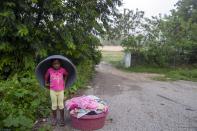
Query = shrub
x=22 y=101
x=85 y=71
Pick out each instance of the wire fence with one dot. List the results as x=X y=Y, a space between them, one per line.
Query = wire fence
x=175 y=60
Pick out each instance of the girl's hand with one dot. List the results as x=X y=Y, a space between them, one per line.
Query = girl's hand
x=47 y=85
x=65 y=79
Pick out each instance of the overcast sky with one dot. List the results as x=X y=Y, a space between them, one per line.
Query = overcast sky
x=151 y=7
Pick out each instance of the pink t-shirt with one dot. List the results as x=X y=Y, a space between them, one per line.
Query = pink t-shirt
x=56 y=78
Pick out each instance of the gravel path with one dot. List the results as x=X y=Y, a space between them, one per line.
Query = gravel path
x=138 y=103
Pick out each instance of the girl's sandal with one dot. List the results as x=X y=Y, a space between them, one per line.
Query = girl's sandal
x=62 y=123
x=54 y=118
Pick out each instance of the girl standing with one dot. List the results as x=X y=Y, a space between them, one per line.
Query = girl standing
x=55 y=79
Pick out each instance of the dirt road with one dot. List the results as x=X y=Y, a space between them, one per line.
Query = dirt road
x=138 y=103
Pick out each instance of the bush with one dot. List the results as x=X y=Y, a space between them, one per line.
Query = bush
x=85 y=71
x=22 y=101
x=32 y=30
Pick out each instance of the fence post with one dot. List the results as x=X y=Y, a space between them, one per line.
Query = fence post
x=127 y=59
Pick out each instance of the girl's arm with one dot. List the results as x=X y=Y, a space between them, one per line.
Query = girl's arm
x=65 y=78
x=46 y=84
x=47 y=79
x=65 y=75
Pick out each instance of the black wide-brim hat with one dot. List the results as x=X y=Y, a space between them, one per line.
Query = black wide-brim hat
x=44 y=65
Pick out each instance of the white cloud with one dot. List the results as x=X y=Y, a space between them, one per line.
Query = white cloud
x=151 y=7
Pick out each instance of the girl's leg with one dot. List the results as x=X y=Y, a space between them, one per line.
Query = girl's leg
x=60 y=99
x=61 y=106
x=53 y=95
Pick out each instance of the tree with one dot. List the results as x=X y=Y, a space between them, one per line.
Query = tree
x=187 y=12
x=126 y=24
x=168 y=40
x=133 y=44
x=33 y=29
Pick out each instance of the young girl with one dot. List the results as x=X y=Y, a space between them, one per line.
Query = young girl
x=55 y=78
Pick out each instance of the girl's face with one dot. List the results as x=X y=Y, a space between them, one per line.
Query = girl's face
x=56 y=64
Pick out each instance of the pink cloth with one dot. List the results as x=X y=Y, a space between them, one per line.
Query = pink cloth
x=82 y=102
x=56 y=77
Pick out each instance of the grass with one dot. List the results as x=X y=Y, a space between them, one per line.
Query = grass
x=113 y=57
x=189 y=74
x=168 y=73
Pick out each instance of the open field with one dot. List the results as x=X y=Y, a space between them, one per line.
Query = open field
x=112 y=57
x=111 y=48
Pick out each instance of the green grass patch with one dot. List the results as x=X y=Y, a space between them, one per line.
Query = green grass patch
x=147 y=69
x=183 y=74
x=189 y=74
x=113 y=57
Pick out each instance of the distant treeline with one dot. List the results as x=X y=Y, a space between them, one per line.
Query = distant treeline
x=163 y=40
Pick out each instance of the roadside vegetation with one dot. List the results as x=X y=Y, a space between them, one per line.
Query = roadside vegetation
x=113 y=57
x=188 y=73
x=161 y=44
x=30 y=31
x=167 y=74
